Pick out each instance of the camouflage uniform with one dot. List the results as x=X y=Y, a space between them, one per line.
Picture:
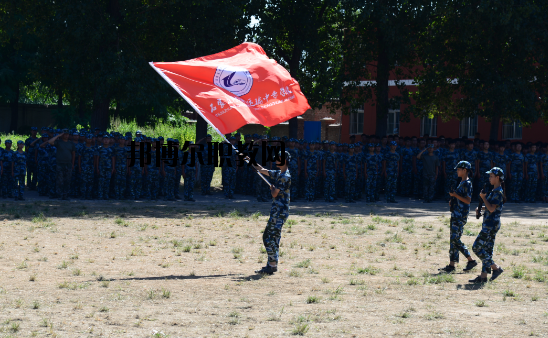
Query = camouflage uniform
x=169 y=180
x=406 y=155
x=76 y=177
x=7 y=181
x=372 y=163
x=178 y=172
x=278 y=213
x=485 y=242
x=19 y=168
x=340 y=185
x=331 y=164
x=87 y=155
x=516 y=168
x=531 y=162
x=459 y=217
x=135 y=178
x=360 y=176
x=392 y=161
x=380 y=184
x=32 y=166
x=312 y=171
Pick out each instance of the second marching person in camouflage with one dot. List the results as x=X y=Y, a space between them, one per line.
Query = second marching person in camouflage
x=459 y=217
x=485 y=242
x=279 y=212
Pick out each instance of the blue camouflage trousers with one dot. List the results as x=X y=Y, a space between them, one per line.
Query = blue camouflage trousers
x=531 y=188
x=371 y=187
x=428 y=184
x=450 y=182
x=135 y=183
x=517 y=182
x=169 y=182
x=310 y=191
x=43 y=182
x=153 y=186
x=120 y=185
x=350 y=187
x=177 y=182
x=206 y=175
x=229 y=181
x=32 y=174
x=484 y=244
x=391 y=186
x=329 y=189
x=406 y=182
x=294 y=183
x=6 y=183
x=87 y=182
x=456 y=245
x=19 y=182
x=188 y=192
x=272 y=235
x=105 y=175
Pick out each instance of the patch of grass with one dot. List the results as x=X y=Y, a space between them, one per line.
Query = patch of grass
x=480 y=303
x=166 y=293
x=509 y=293
x=103 y=309
x=23 y=265
x=312 y=300
x=63 y=265
x=76 y=272
x=300 y=329
x=439 y=279
x=294 y=273
x=303 y=264
x=519 y=271
x=370 y=270
x=412 y=281
x=434 y=315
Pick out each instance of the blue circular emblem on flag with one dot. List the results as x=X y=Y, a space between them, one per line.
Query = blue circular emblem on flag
x=236 y=80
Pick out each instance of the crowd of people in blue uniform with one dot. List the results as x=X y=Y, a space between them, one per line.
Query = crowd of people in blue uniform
x=320 y=170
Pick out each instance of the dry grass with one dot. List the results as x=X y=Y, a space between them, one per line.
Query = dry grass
x=124 y=269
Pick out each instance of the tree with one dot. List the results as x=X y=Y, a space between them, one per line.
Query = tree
x=304 y=37
x=379 y=42
x=485 y=58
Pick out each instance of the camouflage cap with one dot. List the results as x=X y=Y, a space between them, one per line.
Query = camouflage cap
x=464 y=165
x=287 y=156
x=394 y=143
x=496 y=171
x=7 y=141
x=20 y=142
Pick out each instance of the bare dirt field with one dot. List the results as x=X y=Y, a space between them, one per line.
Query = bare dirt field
x=182 y=269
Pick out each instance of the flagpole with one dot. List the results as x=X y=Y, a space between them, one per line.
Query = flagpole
x=200 y=113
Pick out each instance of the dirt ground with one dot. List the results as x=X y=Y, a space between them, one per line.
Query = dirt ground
x=182 y=269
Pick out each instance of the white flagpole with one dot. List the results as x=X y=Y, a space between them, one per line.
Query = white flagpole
x=200 y=113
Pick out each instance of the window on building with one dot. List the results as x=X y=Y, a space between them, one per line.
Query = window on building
x=393 y=124
x=356 y=122
x=469 y=127
x=429 y=126
x=511 y=130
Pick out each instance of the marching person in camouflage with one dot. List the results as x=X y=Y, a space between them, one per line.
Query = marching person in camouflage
x=390 y=172
x=31 y=144
x=459 y=217
x=406 y=161
x=485 y=242
x=330 y=168
x=279 y=212
x=18 y=170
x=7 y=181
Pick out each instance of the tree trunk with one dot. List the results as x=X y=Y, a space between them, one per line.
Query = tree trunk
x=495 y=122
x=14 y=107
x=100 y=114
x=383 y=73
x=201 y=128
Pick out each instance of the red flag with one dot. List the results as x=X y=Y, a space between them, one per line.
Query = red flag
x=238 y=86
